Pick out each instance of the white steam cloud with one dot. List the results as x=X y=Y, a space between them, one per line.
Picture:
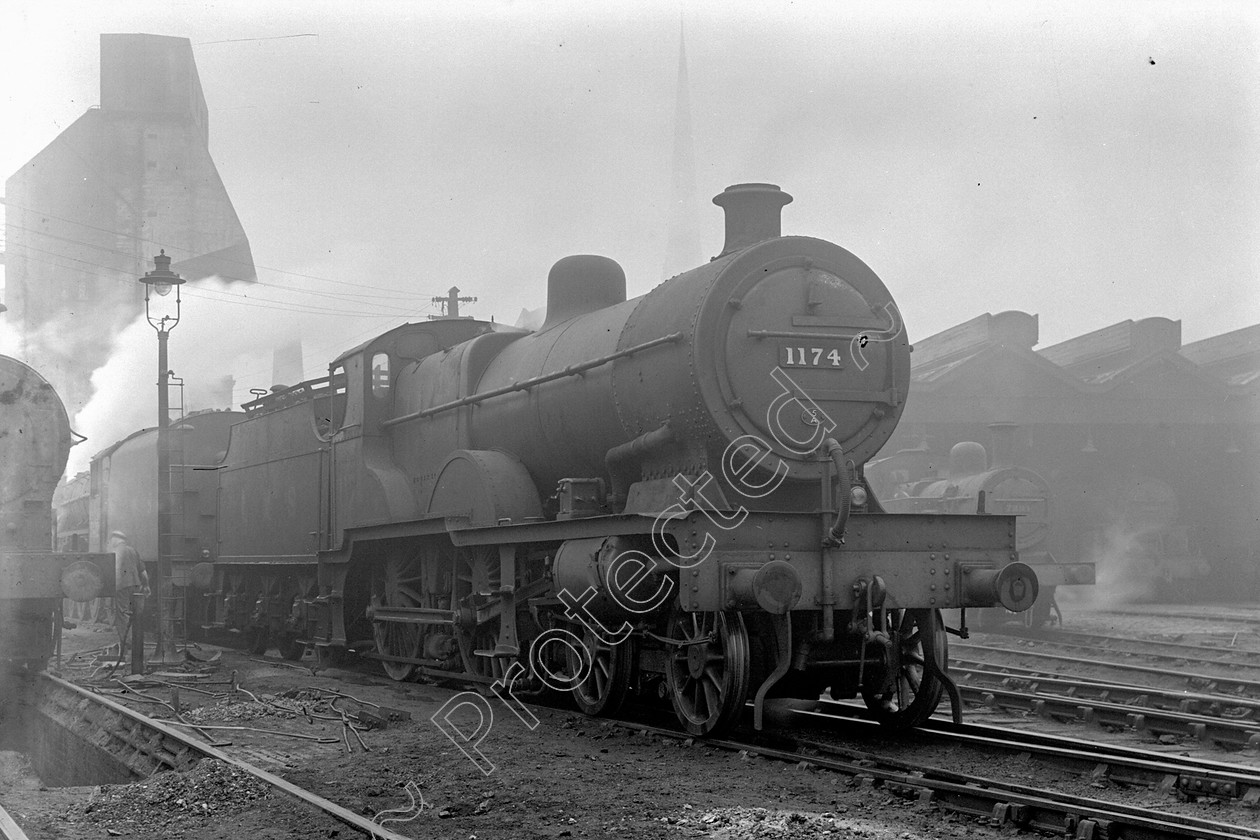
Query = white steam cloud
x=219 y=334
x=1130 y=570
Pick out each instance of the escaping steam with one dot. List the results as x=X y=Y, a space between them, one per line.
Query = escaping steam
x=216 y=337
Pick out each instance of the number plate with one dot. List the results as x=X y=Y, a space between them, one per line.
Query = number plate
x=811 y=356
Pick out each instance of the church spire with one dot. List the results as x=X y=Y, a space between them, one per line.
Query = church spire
x=682 y=250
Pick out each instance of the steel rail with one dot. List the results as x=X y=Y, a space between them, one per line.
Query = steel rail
x=1129 y=765
x=1210 y=682
x=1006 y=803
x=10 y=830
x=332 y=809
x=1085 y=689
x=1148 y=649
x=1113 y=644
x=1222 y=731
x=1251 y=619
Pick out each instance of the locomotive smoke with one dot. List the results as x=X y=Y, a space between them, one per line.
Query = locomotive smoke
x=59 y=347
x=214 y=337
x=1121 y=574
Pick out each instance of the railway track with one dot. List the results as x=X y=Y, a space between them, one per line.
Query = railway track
x=10 y=830
x=1223 y=684
x=1127 y=766
x=1155 y=649
x=1231 y=616
x=1002 y=802
x=155 y=745
x=998 y=800
x=1120 y=707
x=1232 y=706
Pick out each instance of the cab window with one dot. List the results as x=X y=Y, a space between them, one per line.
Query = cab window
x=380 y=374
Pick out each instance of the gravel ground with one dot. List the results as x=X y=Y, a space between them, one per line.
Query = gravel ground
x=569 y=776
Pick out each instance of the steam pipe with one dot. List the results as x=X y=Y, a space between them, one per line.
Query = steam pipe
x=835 y=536
x=621 y=460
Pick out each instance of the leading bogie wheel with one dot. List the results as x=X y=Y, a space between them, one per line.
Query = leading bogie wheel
x=707 y=671
x=915 y=691
x=608 y=680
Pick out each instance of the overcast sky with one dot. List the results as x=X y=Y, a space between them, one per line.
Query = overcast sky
x=1088 y=162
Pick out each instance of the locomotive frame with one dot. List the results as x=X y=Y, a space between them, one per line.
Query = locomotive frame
x=405 y=502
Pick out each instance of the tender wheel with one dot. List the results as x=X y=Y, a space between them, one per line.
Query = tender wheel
x=257 y=640
x=290 y=648
x=916 y=692
x=259 y=636
x=398 y=584
x=236 y=606
x=604 y=690
x=304 y=588
x=328 y=656
x=708 y=679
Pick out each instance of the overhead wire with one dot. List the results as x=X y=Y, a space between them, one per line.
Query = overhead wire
x=262 y=302
x=131 y=258
x=245 y=300
x=151 y=242
x=317 y=353
x=309 y=353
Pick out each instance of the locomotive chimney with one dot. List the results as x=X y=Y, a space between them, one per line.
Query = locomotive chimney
x=1002 y=442
x=753 y=214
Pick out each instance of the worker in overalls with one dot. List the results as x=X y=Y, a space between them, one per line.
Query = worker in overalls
x=130 y=578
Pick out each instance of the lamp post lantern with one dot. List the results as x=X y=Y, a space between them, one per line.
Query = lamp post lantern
x=160 y=281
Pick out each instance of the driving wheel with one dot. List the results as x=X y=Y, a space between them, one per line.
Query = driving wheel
x=398 y=583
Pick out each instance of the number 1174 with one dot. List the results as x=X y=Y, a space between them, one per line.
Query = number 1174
x=810 y=357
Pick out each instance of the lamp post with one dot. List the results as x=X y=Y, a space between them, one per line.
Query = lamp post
x=160 y=281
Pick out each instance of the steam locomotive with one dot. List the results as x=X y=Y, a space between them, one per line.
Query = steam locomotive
x=35 y=440
x=909 y=483
x=659 y=494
